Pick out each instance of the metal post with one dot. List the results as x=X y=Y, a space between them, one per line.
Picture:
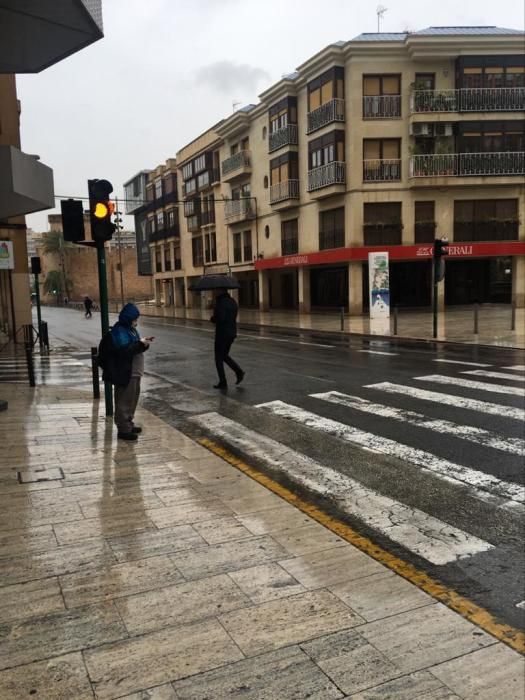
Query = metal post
x=12 y=299
x=39 y=313
x=94 y=371
x=342 y=318
x=395 y=320
x=476 y=319
x=435 y=300
x=104 y=314
x=120 y=253
x=30 y=365
x=513 y=317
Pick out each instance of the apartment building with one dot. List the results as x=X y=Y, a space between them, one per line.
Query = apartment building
x=384 y=142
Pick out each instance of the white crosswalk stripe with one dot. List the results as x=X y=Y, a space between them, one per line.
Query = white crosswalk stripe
x=466 y=432
x=379 y=352
x=460 y=362
x=426 y=536
x=484 y=486
x=494 y=375
x=519 y=368
x=470 y=384
x=487 y=407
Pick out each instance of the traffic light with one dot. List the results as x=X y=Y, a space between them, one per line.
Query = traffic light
x=72 y=220
x=101 y=210
x=440 y=248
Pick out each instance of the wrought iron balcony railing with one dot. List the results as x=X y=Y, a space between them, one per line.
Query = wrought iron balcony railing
x=287 y=136
x=382 y=170
x=331 y=239
x=332 y=111
x=239 y=160
x=468 y=164
x=290 y=246
x=330 y=174
x=469 y=100
x=238 y=210
x=289 y=189
x=381 y=106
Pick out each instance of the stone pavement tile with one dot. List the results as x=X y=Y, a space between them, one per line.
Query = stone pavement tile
x=227 y=556
x=108 y=526
x=153 y=542
x=496 y=671
x=381 y=595
x=30 y=599
x=311 y=537
x=415 y=686
x=18 y=542
x=350 y=661
x=282 y=518
x=160 y=692
x=177 y=496
x=62 y=678
x=286 y=674
x=158 y=657
x=120 y=505
x=439 y=694
x=421 y=638
x=331 y=566
x=118 y=581
x=24 y=641
x=252 y=504
x=14 y=518
x=222 y=530
x=266 y=582
x=181 y=604
x=188 y=513
x=90 y=555
x=287 y=621
x=13 y=487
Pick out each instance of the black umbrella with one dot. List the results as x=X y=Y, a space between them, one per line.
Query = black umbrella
x=209 y=282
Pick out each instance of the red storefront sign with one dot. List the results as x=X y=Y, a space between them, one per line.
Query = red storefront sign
x=396 y=252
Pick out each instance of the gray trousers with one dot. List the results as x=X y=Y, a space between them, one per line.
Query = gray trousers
x=126 y=399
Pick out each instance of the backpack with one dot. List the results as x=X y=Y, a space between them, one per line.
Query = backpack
x=105 y=350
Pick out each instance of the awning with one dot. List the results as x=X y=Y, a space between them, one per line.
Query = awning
x=26 y=185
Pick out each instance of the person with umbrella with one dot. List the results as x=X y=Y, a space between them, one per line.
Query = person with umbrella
x=225 y=320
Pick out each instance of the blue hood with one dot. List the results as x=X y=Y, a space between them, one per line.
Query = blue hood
x=128 y=314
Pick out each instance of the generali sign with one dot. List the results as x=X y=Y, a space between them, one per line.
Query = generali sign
x=395 y=252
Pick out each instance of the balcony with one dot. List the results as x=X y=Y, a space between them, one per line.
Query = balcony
x=238 y=210
x=282 y=192
x=333 y=111
x=331 y=239
x=208 y=217
x=381 y=106
x=290 y=246
x=468 y=100
x=236 y=166
x=468 y=164
x=327 y=175
x=382 y=170
x=287 y=136
x=163 y=233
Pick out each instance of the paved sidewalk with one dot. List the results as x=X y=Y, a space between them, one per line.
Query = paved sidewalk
x=159 y=566
x=456 y=324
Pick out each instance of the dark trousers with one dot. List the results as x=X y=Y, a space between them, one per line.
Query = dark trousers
x=126 y=399
x=222 y=350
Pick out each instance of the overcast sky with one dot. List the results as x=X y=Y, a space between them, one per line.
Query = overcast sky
x=166 y=70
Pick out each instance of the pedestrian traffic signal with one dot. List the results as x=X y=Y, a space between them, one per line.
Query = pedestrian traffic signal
x=101 y=210
x=440 y=248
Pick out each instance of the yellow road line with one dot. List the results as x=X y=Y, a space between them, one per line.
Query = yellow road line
x=466 y=608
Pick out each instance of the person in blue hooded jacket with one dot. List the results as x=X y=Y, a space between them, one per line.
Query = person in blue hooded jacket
x=124 y=367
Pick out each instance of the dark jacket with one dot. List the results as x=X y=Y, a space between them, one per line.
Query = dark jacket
x=225 y=317
x=121 y=344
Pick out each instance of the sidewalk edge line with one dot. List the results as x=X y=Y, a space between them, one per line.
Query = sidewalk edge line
x=473 y=612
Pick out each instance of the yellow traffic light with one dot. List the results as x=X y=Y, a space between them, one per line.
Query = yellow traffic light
x=101 y=210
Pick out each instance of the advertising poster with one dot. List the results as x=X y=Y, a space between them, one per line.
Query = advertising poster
x=7 y=259
x=379 y=284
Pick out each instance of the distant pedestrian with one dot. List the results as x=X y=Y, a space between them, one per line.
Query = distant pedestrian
x=121 y=356
x=88 y=305
x=225 y=320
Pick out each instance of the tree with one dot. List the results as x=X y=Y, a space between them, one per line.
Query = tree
x=54 y=244
x=54 y=283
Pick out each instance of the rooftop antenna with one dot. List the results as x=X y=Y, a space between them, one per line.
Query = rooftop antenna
x=235 y=105
x=380 y=11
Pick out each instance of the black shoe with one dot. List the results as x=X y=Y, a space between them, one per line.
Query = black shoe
x=240 y=376
x=136 y=429
x=127 y=436
x=220 y=385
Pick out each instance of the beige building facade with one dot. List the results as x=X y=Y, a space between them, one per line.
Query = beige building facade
x=385 y=142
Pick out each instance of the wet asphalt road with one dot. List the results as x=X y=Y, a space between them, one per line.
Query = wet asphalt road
x=289 y=366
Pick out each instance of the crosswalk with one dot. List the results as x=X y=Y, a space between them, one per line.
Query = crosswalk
x=56 y=368
x=462 y=399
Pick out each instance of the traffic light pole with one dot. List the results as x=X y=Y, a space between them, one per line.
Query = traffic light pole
x=435 y=263
x=38 y=313
x=104 y=314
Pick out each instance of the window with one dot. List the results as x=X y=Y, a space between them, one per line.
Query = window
x=187 y=171
x=284 y=168
x=486 y=220
x=203 y=180
x=247 y=246
x=196 y=251
x=267 y=232
x=326 y=149
x=332 y=228
x=167 y=259
x=160 y=220
x=152 y=225
x=234 y=148
x=191 y=207
x=289 y=237
x=245 y=144
x=425 y=224
x=158 y=260
x=374 y=85
x=178 y=260
x=200 y=163
x=171 y=218
x=265 y=182
x=381 y=96
x=491 y=136
x=491 y=71
x=326 y=87
x=425 y=81
x=158 y=188
x=136 y=185
x=191 y=186
x=381 y=159
x=237 y=248
x=210 y=247
x=382 y=223
x=264 y=132
x=283 y=113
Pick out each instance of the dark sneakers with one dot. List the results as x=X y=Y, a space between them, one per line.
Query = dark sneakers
x=127 y=436
x=240 y=376
x=136 y=429
x=220 y=385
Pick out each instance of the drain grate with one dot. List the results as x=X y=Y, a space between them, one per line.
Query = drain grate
x=31 y=476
